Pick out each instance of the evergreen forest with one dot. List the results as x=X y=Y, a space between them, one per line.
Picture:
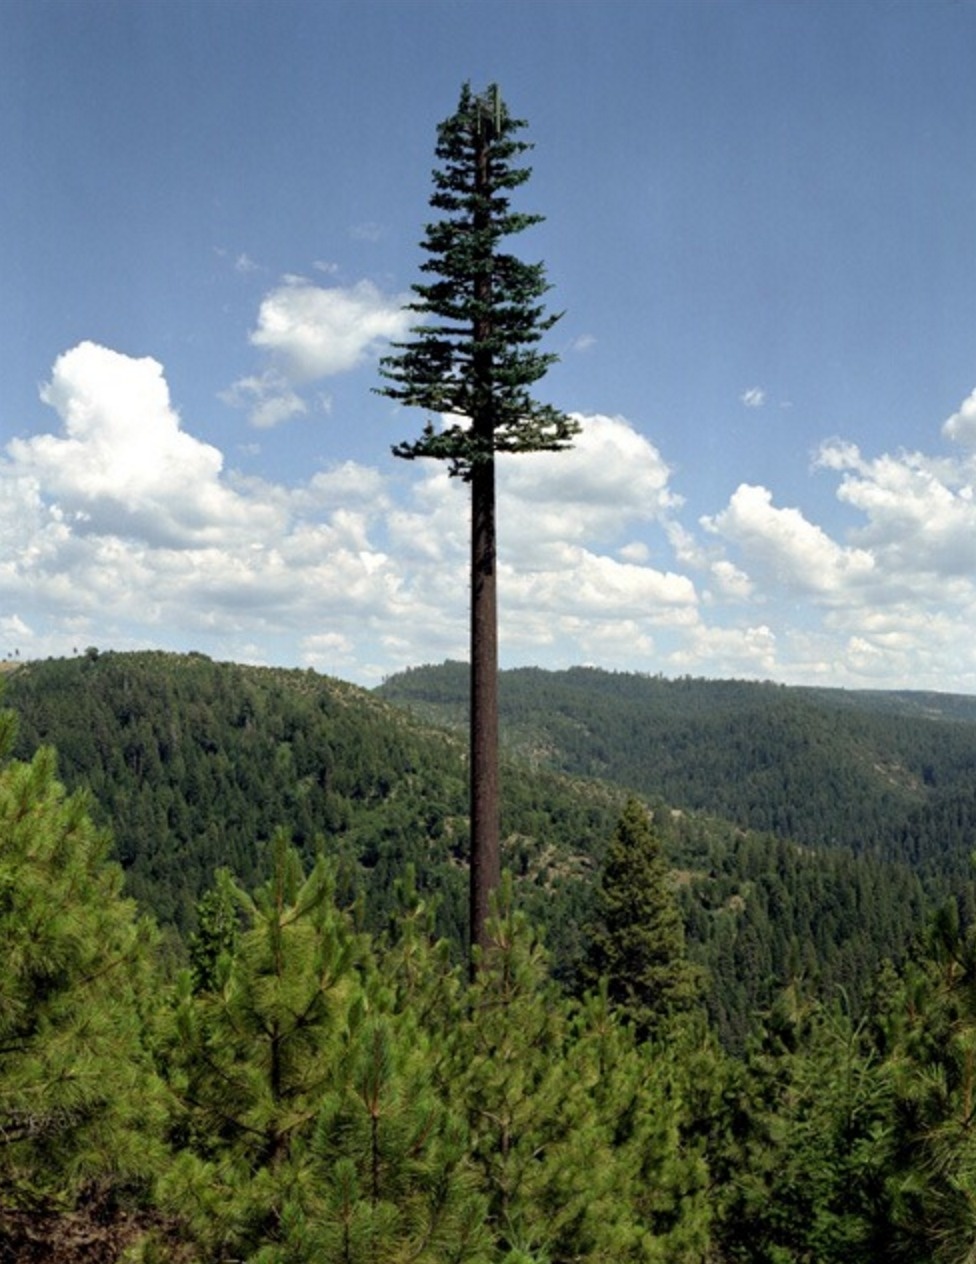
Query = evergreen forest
x=727 y=1012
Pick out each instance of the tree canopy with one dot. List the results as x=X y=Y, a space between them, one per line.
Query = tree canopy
x=475 y=354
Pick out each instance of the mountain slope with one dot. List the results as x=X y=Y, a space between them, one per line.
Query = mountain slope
x=194 y=764
x=872 y=773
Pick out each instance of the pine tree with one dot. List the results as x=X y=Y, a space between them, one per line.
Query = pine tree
x=308 y=1124
x=542 y=1154
x=390 y=1159
x=211 y=946
x=638 y=942
x=475 y=358
x=249 y=1062
x=804 y=1144
x=577 y=1133
x=79 y=1102
x=931 y=1027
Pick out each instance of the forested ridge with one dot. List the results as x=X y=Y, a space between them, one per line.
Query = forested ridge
x=310 y=1081
x=892 y=774
x=193 y=765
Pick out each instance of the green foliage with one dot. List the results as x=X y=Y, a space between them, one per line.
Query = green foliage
x=392 y=1158
x=338 y=1096
x=576 y=1132
x=865 y=805
x=638 y=943
x=477 y=355
x=194 y=764
x=927 y=1026
x=79 y=1104
x=805 y=1143
x=307 y=1124
x=886 y=773
x=212 y=945
x=249 y=1063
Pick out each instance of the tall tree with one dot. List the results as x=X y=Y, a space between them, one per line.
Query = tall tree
x=471 y=362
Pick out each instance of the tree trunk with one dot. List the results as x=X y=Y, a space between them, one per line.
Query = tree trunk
x=484 y=807
x=485 y=825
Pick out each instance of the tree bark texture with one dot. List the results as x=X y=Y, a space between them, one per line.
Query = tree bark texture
x=485 y=823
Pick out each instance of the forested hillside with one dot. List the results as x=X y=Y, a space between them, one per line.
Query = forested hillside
x=305 y=1090
x=193 y=765
x=887 y=774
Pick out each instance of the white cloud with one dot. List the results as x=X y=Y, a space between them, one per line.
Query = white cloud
x=267 y=397
x=123 y=464
x=311 y=332
x=961 y=426
x=611 y=476
x=124 y=521
x=636 y=551
x=730 y=582
x=790 y=551
x=750 y=652
x=121 y=527
x=555 y=509
x=920 y=513
x=314 y=331
x=597 y=586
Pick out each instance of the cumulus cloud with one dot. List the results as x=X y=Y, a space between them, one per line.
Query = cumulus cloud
x=919 y=512
x=750 y=651
x=310 y=332
x=120 y=526
x=314 y=331
x=555 y=511
x=122 y=462
x=961 y=426
x=125 y=522
x=611 y=475
x=789 y=550
x=268 y=398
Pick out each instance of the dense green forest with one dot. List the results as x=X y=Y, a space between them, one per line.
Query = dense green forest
x=886 y=774
x=305 y=1088
x=193 y=765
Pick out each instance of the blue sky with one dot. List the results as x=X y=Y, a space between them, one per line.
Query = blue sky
x=761 y=226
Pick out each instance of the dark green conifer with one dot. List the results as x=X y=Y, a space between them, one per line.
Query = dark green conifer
x=471 y=364
x=212 y=944
x=638 y=942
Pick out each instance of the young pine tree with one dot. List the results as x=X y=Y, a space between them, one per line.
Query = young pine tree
x=393 y=1178
x=79 y=1103
x=252 y=1048
x=578 y=1134
x=307 y=1118
x=638 y=942
x=472 y=362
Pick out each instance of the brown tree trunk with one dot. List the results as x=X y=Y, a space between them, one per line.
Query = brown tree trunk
x=483 y=752
x=485 y=825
